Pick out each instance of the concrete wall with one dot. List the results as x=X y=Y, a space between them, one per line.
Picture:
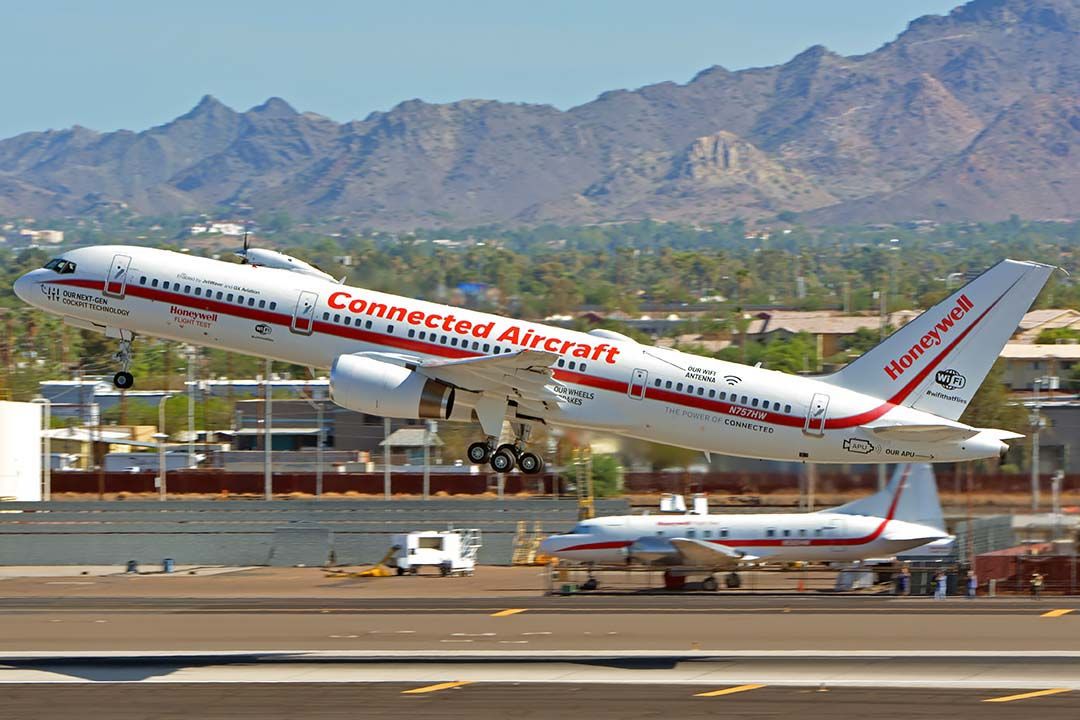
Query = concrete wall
x=259 y=533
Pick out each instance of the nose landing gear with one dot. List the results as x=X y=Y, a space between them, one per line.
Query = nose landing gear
x=124 y=379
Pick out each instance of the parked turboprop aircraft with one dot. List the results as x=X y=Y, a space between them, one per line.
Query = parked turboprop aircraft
x=905 y=515
x=399 y=357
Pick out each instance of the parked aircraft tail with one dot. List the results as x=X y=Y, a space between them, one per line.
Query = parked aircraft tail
x=937 y=361
x=917 y=503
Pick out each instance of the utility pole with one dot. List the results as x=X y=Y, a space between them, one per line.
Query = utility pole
x=1036 y=423
x=386 y=459
x=427 y=460
x=268 y=407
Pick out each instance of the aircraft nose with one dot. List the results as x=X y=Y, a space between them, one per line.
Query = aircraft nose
x=22 y=287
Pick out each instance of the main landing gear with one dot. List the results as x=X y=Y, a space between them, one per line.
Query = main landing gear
x=123 y=379
x=503 y=458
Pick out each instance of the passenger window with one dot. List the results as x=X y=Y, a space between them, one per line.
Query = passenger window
x=787 y=408
x=273 y=305
x=198 y=291
x=337 y=317
x=240 y=301
x=389 y=329
x=251 y=302
x=560 y=362
x=164 y=284
x=153 y=283
x=700 y=391
x=657 y=383
x=348 y=320
x=802 y=533
x=667 y=384
x=325 y=316
x=660 y=533
x=442 y=339
x=262 y=304
x=787 y=533
x=679 y=387
x=142 y=280
x=707 y=533
x=754 y=402
x=423 y=334
x=770 y=533
x=453 y=341
x=366 y=324
x=691 y=533
x=187 y=289
x=723 y=533
x=743 y=399
x=229 y=298
x=817 y=532
x=690 y=389
x=572 y=364
x=712 y=392
x=723 y=395
x=412 y=333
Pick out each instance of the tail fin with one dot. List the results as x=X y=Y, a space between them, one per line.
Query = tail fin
x=937 y=361
x=918 y=501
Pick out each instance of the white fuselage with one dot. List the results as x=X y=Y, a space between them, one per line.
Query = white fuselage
x=605 y=383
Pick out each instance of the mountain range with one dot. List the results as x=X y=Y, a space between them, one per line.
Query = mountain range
x=970 y=116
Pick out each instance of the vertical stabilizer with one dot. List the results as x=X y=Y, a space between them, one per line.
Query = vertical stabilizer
x=918 y=502
x=937 y=361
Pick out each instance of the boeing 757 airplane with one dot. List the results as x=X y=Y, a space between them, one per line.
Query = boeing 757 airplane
x=405 y=358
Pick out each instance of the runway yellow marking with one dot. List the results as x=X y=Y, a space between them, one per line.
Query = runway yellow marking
x=1058 y=613
x=1025 y=696
x=510 y=611
x=728 y=691
x=436 y=688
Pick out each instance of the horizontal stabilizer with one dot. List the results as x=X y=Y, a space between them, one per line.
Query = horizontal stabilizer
x=922 y=433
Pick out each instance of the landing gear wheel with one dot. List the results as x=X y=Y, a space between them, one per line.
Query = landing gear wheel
x=709 y=584
x=530 y=463
x=123 y=380
x=512 y=449
x=479 y=453
x=502 y=460
x=589 y=584
x=732 y=580
x=400 y=571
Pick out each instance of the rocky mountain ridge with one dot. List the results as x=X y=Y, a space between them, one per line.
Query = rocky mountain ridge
x=973 y=115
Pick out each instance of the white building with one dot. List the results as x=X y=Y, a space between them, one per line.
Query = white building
x=20 y=451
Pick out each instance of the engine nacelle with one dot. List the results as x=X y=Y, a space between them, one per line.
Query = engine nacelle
x=381 y=388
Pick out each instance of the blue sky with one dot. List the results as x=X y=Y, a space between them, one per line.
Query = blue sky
x=125 y=64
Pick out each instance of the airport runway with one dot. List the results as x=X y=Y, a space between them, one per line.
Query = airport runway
x=650 y=622
x=268 y=701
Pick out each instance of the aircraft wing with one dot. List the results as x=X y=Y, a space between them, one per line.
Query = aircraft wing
x=524 y=374
x=706 y=554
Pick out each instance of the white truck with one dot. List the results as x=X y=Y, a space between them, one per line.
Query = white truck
x=453 y=552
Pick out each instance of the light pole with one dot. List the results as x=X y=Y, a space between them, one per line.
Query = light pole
x=268 y=406
x=46 y=449
x=191 y=405
x=386 y=460
x=161 y=436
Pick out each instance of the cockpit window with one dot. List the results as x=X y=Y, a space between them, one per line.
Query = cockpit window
x=60 y=266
